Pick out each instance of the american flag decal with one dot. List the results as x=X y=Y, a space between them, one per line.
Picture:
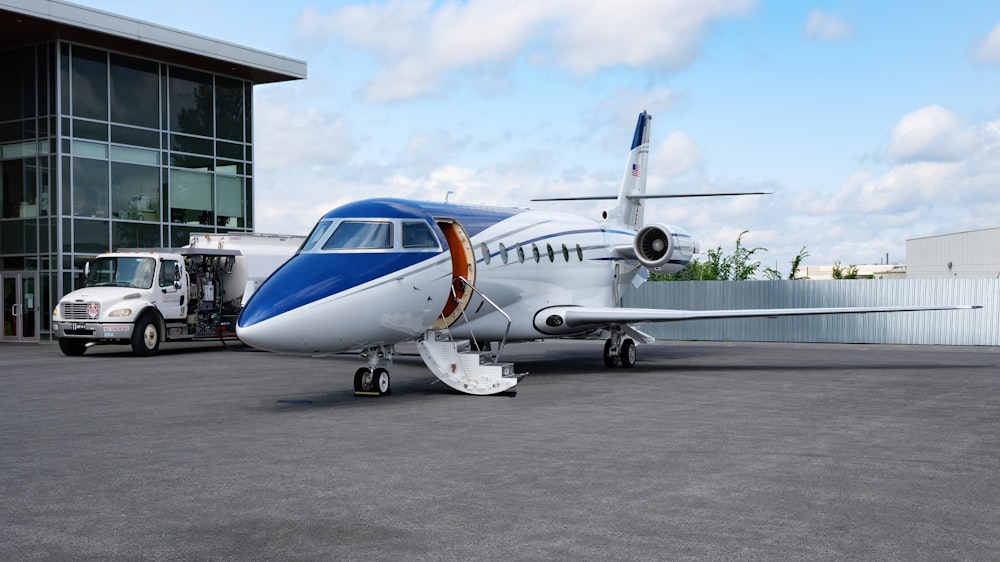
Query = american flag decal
x=635 y=170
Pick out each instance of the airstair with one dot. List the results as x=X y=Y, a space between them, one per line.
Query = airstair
x=463 y=364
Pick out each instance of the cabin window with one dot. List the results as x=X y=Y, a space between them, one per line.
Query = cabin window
x=552 y=255
x=520 y=253
x=418 y=235
x=503 y=253
x=485 y=250
x=534 y=252
x=579 y=252
x=358 y=235
x=565 y=253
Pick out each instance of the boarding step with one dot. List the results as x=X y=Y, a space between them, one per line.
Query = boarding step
x=471 y=372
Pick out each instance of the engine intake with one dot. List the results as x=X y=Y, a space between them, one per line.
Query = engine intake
x=663 y=248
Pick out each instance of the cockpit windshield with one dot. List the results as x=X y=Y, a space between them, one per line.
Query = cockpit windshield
x=315 y=236
x=372 y=235
x=134 y=272
x=358 y=235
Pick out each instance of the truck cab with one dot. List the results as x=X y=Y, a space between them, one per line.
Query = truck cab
x=142 y=297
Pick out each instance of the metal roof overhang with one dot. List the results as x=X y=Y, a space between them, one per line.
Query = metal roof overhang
x=25 y=22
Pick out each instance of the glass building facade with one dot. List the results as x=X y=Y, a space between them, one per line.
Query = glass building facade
x=101 y=150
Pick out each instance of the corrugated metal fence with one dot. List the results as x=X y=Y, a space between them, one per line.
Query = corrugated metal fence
x=959 y=327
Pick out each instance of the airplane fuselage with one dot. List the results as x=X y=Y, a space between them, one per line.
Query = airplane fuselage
x=361 y=293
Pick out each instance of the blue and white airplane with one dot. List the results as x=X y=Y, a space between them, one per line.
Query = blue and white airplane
x=457 y=279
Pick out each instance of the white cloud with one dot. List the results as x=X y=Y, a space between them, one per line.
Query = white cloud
x=931 y=133
x=826 y=27
x=989 y=50
x=416 y=42
x=677 y=155
x=291 y=137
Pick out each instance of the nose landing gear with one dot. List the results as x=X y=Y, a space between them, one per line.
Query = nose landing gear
x=374 y=380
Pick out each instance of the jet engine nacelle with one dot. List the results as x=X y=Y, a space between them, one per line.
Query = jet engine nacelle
x=663 y=248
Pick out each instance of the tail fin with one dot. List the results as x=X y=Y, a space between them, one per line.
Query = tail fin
x=628 y=209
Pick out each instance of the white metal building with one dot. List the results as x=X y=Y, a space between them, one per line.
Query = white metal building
x=962 y=255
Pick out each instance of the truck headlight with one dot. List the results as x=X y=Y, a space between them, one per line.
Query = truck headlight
x=120 y=313
x=55 y=312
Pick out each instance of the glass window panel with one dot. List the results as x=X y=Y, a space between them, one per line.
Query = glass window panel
x=229 y=201
x=353 y=235
x=90 y=237
x=12 y=237
x=90 y=149
x=192 y=162
x=229 y=150
x=90 y=187
x=316 y=235
x=135 y=192
x=90 y=83
x=190 y=197
x=191 y=102
x=248 y=197
x=419 y=235
x=137 y=137
x=181 y=235
x=229 y=108
x=134 y=235
x=195 y=145
x=90 y=130
x=228 y=168
x=17 y=93
x=136 y=155
x=135 y=91
x=10 y=131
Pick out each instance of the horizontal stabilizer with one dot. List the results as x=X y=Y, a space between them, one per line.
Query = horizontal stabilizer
x=639 y=197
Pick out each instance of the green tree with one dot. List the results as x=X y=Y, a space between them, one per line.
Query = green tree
x=841 y=272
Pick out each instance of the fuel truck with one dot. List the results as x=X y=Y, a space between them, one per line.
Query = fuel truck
x=142 y=297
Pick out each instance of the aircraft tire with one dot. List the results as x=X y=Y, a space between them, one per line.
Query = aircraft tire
x=627 y=353
x=380 y=380
x=359 y=379
x=609 y=361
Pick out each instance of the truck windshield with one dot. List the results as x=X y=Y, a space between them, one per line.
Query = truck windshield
x=122 y=272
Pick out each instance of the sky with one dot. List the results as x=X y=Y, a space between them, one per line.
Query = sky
x=871 y=122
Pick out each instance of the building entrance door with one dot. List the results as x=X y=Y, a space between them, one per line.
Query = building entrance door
x=19 y=303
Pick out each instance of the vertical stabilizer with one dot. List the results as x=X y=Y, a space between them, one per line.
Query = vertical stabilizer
x=629 y=212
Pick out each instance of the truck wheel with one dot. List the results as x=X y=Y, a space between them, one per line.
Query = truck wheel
x=72 y=347
x=146 y=336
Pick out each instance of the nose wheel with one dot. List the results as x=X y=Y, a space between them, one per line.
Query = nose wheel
x=371 y=383
x=374 y=379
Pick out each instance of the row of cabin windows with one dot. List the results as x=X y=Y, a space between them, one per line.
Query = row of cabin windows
x=504 y=253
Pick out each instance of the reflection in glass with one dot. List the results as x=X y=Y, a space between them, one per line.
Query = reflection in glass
x=135 y=192
x=190 y=197
x=90 y=236
x=191 y=102
x=90 y=83
x=135 y=91
x=229 y=201
x=228 y=108
x=135 y=235
x=355 y=235
x=90 y=187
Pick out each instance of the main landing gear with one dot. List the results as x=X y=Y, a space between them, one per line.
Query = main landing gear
x=619 y=348
x=373 y=380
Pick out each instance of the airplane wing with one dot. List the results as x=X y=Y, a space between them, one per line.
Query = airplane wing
x=559 y=320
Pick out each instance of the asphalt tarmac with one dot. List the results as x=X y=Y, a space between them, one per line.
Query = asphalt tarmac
x=720 y=451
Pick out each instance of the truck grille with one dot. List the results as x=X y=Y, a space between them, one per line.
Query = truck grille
x=74 y=311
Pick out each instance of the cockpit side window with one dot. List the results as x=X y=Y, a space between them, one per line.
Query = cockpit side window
x=358 y=235
x=315 y=236
x=418 y=235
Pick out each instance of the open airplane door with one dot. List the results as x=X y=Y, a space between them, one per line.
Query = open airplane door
x=463 y=265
